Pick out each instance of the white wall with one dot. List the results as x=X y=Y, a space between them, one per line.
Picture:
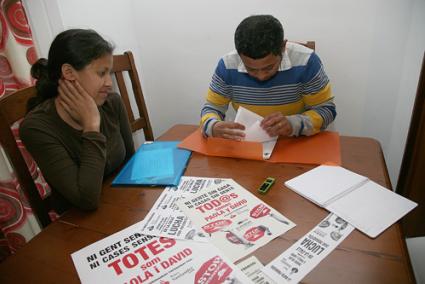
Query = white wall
x=408 y=77
x=45 y=20
x=371 y=50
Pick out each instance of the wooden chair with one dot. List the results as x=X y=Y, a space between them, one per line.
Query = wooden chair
x=309 y=44
x=12 y=109
x=125 y=63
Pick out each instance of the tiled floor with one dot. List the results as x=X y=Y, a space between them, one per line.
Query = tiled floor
x=416 y=248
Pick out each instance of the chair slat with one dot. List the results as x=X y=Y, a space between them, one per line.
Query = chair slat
x=124 y=95
x=125 y=63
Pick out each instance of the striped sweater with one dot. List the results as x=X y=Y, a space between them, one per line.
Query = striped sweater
x=300 y=90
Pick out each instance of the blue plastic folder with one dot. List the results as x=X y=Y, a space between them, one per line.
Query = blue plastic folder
x=158 y=163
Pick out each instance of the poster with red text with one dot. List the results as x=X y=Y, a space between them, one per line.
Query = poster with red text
x=165 y=218
x=131 y=257
x=237 y=222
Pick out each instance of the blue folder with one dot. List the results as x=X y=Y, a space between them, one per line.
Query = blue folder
x=159 y=163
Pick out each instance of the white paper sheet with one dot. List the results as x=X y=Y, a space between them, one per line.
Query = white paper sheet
x=247 y=117
x=324 y=184
x=252 y=267
x=129 y=256
x=166 y=220
x=303 y=256
x=253 y=131
x=238 y=222
x=380 y=208
x=268 y=149
x=148 y=164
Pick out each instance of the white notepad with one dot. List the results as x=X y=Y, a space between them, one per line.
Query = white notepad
x=366 y=205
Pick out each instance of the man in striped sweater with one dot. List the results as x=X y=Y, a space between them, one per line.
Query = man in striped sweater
x=282 y=81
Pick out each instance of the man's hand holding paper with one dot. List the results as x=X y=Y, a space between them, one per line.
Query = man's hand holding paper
x=276 y=124
x=254 y=132
x=228 y=130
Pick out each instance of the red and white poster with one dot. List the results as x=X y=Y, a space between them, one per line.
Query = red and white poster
x=165 y=218
x=131 y=257
x=237 y=222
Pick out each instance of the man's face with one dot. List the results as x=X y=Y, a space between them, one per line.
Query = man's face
x=264 y=68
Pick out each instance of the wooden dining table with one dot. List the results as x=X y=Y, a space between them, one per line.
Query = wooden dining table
x=358 y=259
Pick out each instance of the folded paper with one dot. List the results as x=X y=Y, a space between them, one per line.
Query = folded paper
x=253 y=130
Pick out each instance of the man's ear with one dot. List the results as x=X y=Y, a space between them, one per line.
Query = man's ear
x=68 y=72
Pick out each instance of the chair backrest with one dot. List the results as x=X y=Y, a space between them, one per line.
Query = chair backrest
x=125 y=63
x=12 y=109
x=310 y=44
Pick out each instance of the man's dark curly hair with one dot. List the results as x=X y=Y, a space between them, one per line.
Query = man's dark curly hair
x=259 y=35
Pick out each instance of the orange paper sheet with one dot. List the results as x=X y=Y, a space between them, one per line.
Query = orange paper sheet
x=322 y=148
x=319 y=149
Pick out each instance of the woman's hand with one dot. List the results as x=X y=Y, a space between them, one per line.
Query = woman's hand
x=276 y=124
x=228 y=130
x=80 y=106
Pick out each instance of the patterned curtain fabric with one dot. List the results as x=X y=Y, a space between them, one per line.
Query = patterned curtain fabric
x=17 y=53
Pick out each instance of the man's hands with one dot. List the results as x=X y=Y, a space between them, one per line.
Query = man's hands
x=276 y=124
x=228 y=130
x=79 y=105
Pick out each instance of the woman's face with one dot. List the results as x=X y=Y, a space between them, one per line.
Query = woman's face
x=96 y=79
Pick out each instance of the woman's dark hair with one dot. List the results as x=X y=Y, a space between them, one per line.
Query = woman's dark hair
x=77 y=47
x=258 y=36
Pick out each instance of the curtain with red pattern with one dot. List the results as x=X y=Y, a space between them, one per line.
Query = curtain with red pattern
x=17 y=53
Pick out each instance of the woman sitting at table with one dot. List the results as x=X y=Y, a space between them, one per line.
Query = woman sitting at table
x=76 y=130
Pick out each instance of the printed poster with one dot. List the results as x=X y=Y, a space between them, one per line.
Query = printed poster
x=236 y=221
x=131 y=257
x=165 y=218
x=303 y=256
x=252 y=268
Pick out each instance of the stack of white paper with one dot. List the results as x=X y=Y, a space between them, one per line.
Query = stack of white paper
x=363 y=203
